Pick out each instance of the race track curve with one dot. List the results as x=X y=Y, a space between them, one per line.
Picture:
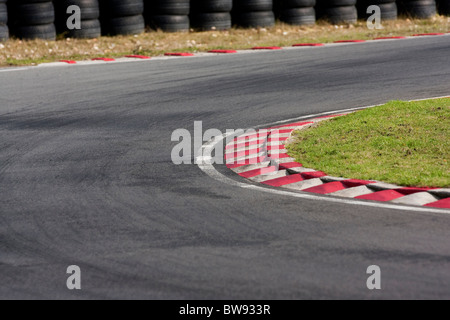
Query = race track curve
x=86 y=179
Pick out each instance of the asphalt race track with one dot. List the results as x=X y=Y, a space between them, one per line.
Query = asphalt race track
x=86 y=179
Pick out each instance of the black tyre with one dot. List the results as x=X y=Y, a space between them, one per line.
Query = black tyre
x=3 y=14
x=4 y=33
x=252 y=5
x=298 y=16
x=389 y=11
x=206 y=6
x=422 y=9
x=254 y=19
x=26 y=14
x=287 y=4
x=4 y=30
x=126 y=25
x=46 y=32
x=167 y=7
x=89 y=9
x=90 y=29
x=122 y=8
x=170 y=23
x=339 y=15
x=337 y=3
x=211 y=21
x=27 y=1
x=374 y=2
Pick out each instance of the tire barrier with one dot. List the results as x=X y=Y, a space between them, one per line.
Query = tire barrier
x=168 y=15
x=337 y=11
x=422 y=9
x=32 y=19
x=90 y=14
x=253 y=13
x=122 y=17
x=35 y=19
x=211 y=14
x=4 y=31
x=296 y=12
x=389 y=10
x=444 y=7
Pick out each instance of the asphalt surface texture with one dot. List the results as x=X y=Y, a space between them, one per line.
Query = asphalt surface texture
x=86 y=179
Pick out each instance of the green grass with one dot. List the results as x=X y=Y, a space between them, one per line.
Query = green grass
x=404 y=143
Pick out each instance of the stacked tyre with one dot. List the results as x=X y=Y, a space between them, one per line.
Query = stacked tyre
x=4 y=31
x=422 y=9
x=388 y=9
x=122 y=17
x=168 y=15
x=296 y=12
x=90 y=14
x=211 y=14
x=444 y=7
x=253 y=13
x=32 y=19
x=337 y=11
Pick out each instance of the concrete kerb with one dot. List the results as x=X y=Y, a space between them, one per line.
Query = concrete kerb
x=326 y=188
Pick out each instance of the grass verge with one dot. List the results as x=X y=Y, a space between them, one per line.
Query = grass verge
x=404 y=143
x=16 y=52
